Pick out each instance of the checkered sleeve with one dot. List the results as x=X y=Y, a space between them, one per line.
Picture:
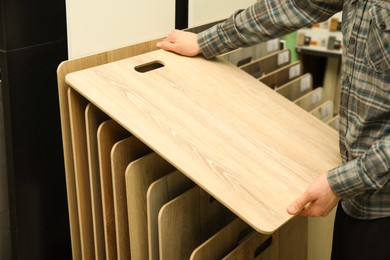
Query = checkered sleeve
x=264 y=20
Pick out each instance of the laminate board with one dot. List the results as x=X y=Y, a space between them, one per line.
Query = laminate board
x=229 y=133
x=311 y=100
x=77 y=106
x=297 y=87
x=187 y=221
x=282 y=75
x=256 y=246
x=223 y=242
x=334 y=122
x=109 y=133
x=140 y=174
x=268 y=63
x=122 y=154
x=94 y=117
x=324 y=112
x=293 y=239
x=245 y=55
x=159 y=193
x=64 y=68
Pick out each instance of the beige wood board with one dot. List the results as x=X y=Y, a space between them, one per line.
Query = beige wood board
x=282 y=75
x=243 y=143
x=297 y=87
x=257 y=246
x=77 y=106
x=334 y=122
x=187 y=221
x=122 y=154
x=311 y=100
x=268 y=63
x=140 y=174
x=93 y=118
x=324 y=112
x=223 y=242
x=293 y=239
x=63 y=69
x=109 y=133
x=159 y=193
x=244 y=55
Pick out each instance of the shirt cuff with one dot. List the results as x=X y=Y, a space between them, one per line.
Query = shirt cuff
x=346 y=181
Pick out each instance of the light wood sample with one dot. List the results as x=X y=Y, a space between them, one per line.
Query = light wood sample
x=247 y=146
x=159 y=193
x=140 y=174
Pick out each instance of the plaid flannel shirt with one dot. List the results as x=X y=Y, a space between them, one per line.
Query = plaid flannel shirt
x=363 y=179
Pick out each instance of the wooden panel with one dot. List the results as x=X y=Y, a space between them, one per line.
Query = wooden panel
x=311 y=100
x=297 y=87
x=191 y=109
x=324 y=112
x=245 y=55
x=140 y=174
x=257 y=246
x=77 y=106
x=293 y=239
x=187 y=221
x=123 y=152
x=282 y=75
x=159 y=193
x=94 y=117
x=268 y=63
x=223 y=242
x=109 y=132
x=63 y=69
x=334 y=122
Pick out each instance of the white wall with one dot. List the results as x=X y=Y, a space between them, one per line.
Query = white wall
x=99 y=25
x=206 y=11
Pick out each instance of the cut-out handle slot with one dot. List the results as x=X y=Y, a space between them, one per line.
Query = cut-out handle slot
x=149 y=66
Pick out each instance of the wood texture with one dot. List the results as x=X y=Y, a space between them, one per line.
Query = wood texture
x=122 y=154
x=268 y=63
x=217 y=125
x=63 y=69
x=159 y=193
x=140 y=174
x=282 y=75
x=311 y=100
x=223 y=242
x=77 y=106
x=250 y=247
x=324 y=112
x=109 y=133
x=293 y=238
x=187 y=221
x=93 y=118
x=297 y=87
x=334 y=122
x=244 y=55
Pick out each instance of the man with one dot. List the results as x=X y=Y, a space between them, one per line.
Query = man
x=362 y=182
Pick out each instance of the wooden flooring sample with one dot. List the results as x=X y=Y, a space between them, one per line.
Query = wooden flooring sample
x=243 y=143
x=109 y=132
x=122 y=154
x=94 y=117
x=140 y=174
x=159 y=193
x=297 y=87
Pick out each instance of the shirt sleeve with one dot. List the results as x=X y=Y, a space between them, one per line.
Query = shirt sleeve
x=264 y=20
x=371 y=171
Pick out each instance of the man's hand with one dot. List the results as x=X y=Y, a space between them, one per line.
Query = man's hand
x=317 y=201
x=181 y=42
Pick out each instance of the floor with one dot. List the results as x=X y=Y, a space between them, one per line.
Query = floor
x=5 y=241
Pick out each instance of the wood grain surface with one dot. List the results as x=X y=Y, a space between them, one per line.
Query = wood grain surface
x=140 y=174
x=159 y=193
x=243 y=143
x=93 y=118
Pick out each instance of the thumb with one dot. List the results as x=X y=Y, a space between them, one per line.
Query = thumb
x=298 y=205
x=165 y=45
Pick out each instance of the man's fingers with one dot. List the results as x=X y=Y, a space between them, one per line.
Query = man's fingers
x=298 y=205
